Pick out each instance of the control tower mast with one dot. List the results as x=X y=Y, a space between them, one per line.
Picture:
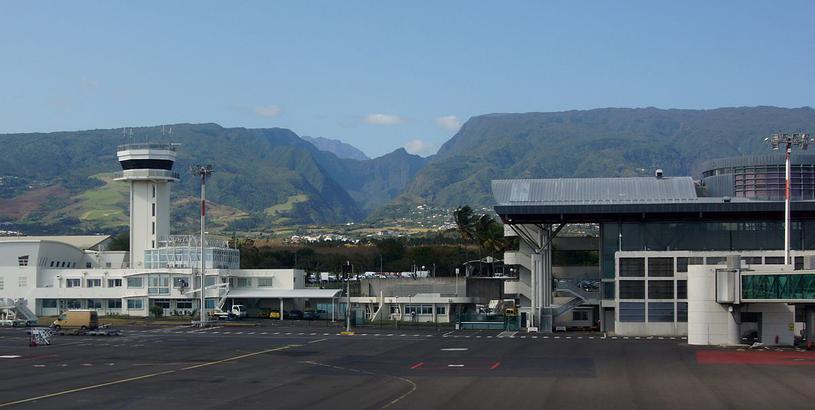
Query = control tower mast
x=149 y=169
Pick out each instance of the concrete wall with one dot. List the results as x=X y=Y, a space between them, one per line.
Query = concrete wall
x=410 y=287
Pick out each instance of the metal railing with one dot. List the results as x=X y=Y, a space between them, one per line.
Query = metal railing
x=146 y=173
x=147 y=145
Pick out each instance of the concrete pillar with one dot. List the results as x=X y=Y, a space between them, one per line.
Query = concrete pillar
x=733 y=321
x=281 y=308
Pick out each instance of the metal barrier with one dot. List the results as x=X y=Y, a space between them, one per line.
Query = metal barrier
x=487 y=321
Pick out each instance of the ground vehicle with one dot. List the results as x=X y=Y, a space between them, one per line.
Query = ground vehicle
x=295 y=314
x=311 y=315
x=235 y=312
x=83 y=319
x=275 y=314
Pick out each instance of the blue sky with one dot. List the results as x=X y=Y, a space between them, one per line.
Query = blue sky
x=386 y=74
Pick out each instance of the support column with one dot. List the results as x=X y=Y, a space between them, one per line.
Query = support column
x=281 y=308
x=545 y=299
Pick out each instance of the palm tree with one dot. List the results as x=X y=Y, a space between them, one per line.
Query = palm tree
x=465 y=223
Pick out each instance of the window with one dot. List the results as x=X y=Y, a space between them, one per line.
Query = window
x=73 y=283
x=210 y=280
x=773 y=260
x=22 y=282
x=265 y=282
x=608 y=290
x=394 y=309
x=52 y=264
x=661 y=312
x=681 y=289
x=154 y=228
x=580 y=315
x=681 y=264
x=135 y=304
x=94 y=283
x=88 y=265
x=114 y=303
x=154 y=190
x=441 y=310
x=49 y=303
x=632 y=267
x=114 y=283
x=243 y=282
x=210 y=303
x=162 y=303
x=661 y=267
x=682 y=312
x=180 y=282
x=135 y=282
x=107 y=264
x=2 y=283
x=632 y=289
x=73 y=304
x=62 y=264
x=183 y=304
x=752 y=260
x=94 y=303
x=660 y=289
x=696 y=260
x=716 y=260
x=22 y=260
x=154 y=209
x=632 y=311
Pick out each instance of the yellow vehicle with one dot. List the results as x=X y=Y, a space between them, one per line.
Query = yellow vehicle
x=82 y=319
x=275 y=314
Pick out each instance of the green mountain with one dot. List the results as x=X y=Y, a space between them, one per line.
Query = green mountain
x=263 y=178
x=601 y=142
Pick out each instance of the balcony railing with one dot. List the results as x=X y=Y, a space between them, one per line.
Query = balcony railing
x=146 y=174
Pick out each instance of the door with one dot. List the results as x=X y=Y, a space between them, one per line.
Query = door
x=608 y=319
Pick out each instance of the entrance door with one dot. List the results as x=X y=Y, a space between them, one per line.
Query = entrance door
x=523 y=320
x=608 y=319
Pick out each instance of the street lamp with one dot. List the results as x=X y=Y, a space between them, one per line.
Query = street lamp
x=204 y=171
x=787 y=141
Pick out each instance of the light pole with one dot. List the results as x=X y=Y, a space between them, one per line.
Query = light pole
x=348 y=268
x=204 y=171
x=787 y=140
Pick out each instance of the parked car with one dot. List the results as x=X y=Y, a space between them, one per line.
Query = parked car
x=311 y=315
x=294 y=314
x=77 y=319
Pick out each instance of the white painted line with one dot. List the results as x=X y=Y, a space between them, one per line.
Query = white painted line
x=263 y=333
x=39 y=365
x=523 y=337
x=251 y=333
x=216 y=332
x=10 y=356
x=557 y=337
x=568 y=337
x=580 y=337
x=614 y=337
x=428 y=335
x=415 y=335
x=276 y=333
x=534 y=337
x=312 y=334
x=684 y=338
x=591 y=337
x=489 y=337
x=402 y=335
x=287 y=334
x=468 y=336
x=300 y=334
x=454 y=349
x=546 y=337
x=377 y=334
x=478 y=337
x=638 y=338
x=455 y=365
x=87 y=364
x=389 y=334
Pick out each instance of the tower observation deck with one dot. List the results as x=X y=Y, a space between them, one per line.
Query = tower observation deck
x=149 y=169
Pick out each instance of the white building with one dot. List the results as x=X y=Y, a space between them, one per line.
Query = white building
x=52 y=274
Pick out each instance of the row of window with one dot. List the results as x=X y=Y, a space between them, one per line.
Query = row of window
x=247 y=282
x=664 y=266
x=421 y=309
x=132 y=304
x=657 y=312
x=657 y=289
x=94 y=283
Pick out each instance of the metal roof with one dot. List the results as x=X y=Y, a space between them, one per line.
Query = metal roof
x=570 y=191
x=79 y=241
x=304 y=293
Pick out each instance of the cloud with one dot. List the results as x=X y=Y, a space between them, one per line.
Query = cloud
x=268 y=111
x=449 y=122
x=383 y=119
x=419 y=147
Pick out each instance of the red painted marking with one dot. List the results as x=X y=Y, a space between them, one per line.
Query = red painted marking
x=495 y=365
x=203 y=208
x=417 y=365
x=756 y=357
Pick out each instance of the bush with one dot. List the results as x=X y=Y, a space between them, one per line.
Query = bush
x=157 y=311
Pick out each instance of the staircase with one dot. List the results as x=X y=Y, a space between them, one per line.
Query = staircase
x=580 y=297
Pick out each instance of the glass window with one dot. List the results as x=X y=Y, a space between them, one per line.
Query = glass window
x=630 y=267
x=243 y=282
x=660 y=267
x=441 y=310
x=661 y=312
x=660 y=289
x=22 y=260
x=265 y=282
x=580 y=315
x=608 y=290
x=183 y=304
x=73 y=283
x=716 y=260
x=681 y=289
x=632 y=311
x=773 y=260
x=135 y=304
x=94 y=283
x=682 y=311
x=790 y=287
x=136 y=282
x=752 y=260
x=696 y=260
x=681 y=264
x=49 y=303
x=114 y=303
x=94 y=303
x=632 y=289
x=162 y=303
x=210 y=303
x=114 y=283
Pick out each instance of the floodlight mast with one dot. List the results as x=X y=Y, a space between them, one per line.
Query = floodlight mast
x=787 y=140
x=204 y=171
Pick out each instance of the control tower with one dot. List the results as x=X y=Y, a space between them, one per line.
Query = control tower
x=149 y=169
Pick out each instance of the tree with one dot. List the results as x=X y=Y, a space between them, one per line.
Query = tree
x=465 y=223
x=120 y=242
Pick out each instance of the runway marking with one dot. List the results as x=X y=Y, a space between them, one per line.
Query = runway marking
x=454 y=349
x=591 y=337
x=534 y=337
x=389 y=334
x=415 y=335
x=495 y=365
x=557 y=337
x=568 y=337
x=417 y=365
x=264 y=333
x=251 y=333
x=326 y=334
x=39 y=365
x=448 y=333
x=317 y=341
x=312 y=334
x=455 y=365
x=145 y=376
x=9 y=356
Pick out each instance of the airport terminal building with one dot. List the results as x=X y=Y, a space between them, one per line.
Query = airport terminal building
x=702 y=259
x=53 y=273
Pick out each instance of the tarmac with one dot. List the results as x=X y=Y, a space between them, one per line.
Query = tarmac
x=297 y=366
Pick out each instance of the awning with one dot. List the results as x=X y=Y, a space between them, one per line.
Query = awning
x=259 y=293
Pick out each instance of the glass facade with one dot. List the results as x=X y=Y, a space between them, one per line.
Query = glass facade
x=789 y=287
x=190 y=257
x=769 y=181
